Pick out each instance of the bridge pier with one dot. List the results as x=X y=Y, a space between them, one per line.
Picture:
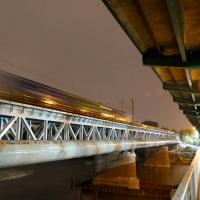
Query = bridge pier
x=173 y=146
x=154 y=156
x=122 y=174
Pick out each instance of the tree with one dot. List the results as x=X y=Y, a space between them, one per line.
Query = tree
x=190 y=135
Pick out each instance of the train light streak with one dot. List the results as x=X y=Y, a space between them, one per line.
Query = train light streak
x=105 y=107
x=83 y=110
x=48 y=101
x=122 y=119
x=107 y=115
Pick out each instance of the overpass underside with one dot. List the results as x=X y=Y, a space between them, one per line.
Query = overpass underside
x=167 y=33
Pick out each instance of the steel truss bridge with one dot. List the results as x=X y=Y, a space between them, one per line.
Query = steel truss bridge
x=31 y=134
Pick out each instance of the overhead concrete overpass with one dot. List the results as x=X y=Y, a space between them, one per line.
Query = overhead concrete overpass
x=167 y=34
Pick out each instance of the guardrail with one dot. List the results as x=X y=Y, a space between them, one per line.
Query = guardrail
x=189 y=186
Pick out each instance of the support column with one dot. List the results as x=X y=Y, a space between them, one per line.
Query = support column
x=122 y=174
x=173 y=146
x=155 y=156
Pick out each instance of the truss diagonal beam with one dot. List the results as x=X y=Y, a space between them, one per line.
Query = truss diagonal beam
x=90 y=133
x=98 y=133
x=28 y=128
x=61 y=128
x=11 y=129
x=8 y=126
x=72 y=132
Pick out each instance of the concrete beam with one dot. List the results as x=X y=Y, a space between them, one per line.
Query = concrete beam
x=186 y=101
x=13 y=153
x=177 y=23
x=191 y=113
x=179 y=88
x=154 y=59
x=187 y=108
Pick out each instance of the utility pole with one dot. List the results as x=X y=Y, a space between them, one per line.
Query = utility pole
x=132 y=108
x=122 y=104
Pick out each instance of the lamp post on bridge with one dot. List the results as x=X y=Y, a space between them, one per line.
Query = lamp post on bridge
x=122 y=104
x=132 y=108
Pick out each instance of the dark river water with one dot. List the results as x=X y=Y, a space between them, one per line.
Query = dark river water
x=73 y=180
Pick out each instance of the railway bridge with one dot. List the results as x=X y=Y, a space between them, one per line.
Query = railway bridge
x=45 y=124
x=41 y=124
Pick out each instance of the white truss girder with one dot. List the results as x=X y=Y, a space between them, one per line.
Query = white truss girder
x=25 y=122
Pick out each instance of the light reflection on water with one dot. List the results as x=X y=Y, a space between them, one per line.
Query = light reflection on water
x=10 y=174
x=75 y=180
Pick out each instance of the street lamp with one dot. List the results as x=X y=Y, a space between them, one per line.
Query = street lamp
x=132 y=108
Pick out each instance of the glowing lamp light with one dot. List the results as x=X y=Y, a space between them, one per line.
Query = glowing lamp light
x=195 y=131
x=194 y=128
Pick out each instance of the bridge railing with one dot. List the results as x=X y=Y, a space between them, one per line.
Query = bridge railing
x=24 y=122
x=188 y=188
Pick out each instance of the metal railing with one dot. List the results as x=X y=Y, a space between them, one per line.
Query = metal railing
x=188 y=188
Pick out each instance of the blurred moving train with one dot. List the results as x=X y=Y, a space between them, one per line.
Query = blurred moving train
x=18 y=89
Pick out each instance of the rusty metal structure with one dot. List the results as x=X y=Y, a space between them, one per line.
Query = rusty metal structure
x=166 y=33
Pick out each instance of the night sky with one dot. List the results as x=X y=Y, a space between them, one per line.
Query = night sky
x=78 y=47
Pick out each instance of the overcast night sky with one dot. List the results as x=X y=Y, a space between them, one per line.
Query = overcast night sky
x=78 y=47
